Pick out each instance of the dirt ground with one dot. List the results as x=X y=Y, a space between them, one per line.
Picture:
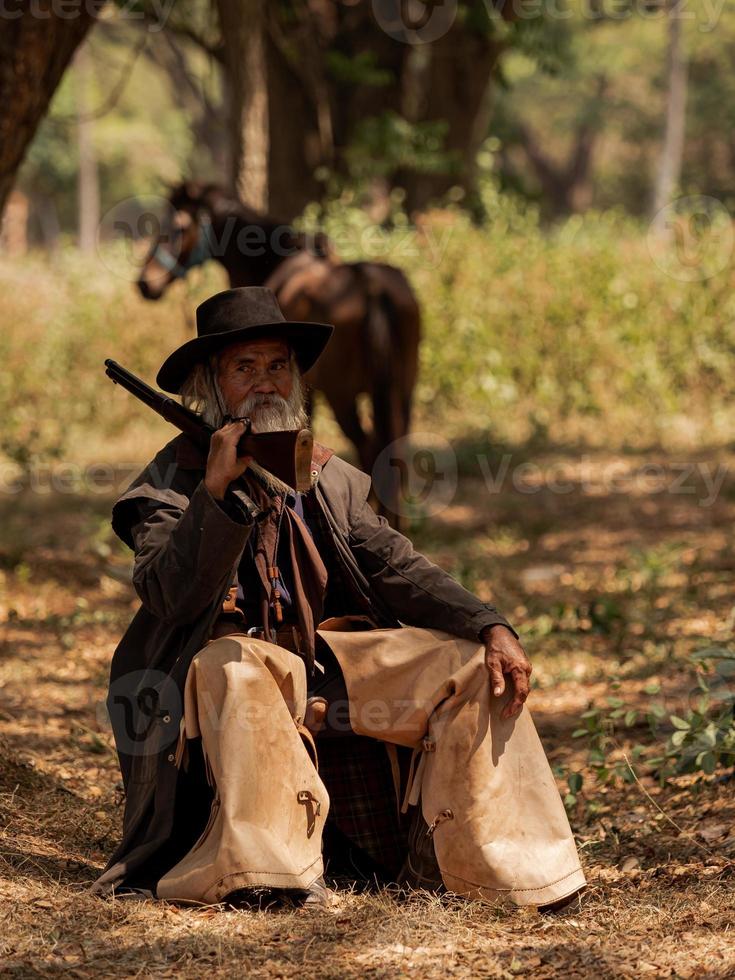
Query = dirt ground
x=614 y=567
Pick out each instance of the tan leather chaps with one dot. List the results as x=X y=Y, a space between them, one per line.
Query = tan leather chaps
x=246 y=699
x=485 y=787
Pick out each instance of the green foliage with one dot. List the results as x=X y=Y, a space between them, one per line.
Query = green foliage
x=575 y=781
x=383 y=144
x=599 y=728
x=704 y=738
x=531 y=331
x=61 y=321
x=360 y=69
x=647 y=567
x=699 y=740
x=552 y=74
x=140 y=140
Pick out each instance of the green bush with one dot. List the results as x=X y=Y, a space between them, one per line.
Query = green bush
x=698 y=740
x=61 y=317
x=575 y=331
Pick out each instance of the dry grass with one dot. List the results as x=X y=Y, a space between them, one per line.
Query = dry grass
x=661 y=899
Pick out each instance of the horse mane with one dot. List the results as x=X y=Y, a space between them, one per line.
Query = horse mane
x=223 y=204
x=217 y=199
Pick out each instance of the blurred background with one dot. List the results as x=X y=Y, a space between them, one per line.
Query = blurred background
x=556 y=181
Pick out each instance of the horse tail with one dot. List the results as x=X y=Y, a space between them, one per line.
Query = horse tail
x=381 y=357
x=391 y=332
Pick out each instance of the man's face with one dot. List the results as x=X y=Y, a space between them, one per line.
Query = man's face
x=256 y=380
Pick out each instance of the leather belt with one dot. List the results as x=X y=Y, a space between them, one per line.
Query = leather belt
x=287 y=636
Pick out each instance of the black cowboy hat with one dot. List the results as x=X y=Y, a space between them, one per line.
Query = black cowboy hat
x=241 y=314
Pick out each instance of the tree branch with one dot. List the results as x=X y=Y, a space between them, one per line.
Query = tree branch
x=214 y=50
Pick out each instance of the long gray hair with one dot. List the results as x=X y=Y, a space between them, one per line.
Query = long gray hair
x=201 y=393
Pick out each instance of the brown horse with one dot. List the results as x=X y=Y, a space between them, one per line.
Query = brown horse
x=374 y=348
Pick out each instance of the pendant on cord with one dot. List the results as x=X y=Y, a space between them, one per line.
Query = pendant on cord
x=275 y=599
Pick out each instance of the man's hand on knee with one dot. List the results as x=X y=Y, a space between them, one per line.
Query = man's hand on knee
x=505 y=655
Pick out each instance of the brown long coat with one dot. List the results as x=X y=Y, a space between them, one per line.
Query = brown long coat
x=187 y=550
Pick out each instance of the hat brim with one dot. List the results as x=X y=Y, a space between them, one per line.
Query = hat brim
x=307 y=340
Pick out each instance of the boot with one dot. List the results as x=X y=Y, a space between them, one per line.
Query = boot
x=420 y=869
x=317 y=895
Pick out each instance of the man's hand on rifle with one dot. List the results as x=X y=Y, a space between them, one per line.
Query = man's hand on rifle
x=223 y=463
x=505 y=655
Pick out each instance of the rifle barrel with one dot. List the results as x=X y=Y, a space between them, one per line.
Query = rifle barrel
x=136 y=386
x=184 y=419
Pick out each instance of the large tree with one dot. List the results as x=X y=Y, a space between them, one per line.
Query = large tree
x=37 y=41
x=242 y=23
x=359 y=74
x=317 y=87
x=672 y=150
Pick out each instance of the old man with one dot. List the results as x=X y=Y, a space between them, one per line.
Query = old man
x=300 y=687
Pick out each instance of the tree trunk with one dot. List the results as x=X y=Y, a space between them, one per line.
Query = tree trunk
x=358 y=35
x=45 y=211
x=459 y=79
x=88 y=187
x=669 y=169
x=36 y=45
x=568 y=188
x=14 y=226
x=326 y=108
x=297 y=147
x=244 y=50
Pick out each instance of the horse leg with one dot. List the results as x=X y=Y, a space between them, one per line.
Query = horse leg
x=386 y=480
x=345 y=412
x=388 y=418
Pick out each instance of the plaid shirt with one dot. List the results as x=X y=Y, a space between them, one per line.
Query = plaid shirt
x=356 y=770
x=363 y=808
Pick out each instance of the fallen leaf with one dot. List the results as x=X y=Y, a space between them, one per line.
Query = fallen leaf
x=713 y=831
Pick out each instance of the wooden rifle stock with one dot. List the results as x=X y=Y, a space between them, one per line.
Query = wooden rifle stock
x=286 y=454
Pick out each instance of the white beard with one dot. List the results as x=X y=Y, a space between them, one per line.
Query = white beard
x=277 y=415
x=272 y=412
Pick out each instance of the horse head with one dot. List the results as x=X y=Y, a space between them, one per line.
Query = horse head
x=184 y=240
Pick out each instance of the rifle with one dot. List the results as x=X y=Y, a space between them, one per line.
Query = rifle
x=286 y=454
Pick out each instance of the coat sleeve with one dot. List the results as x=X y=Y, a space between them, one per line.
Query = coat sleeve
x=418 y=592
x=185 y=549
